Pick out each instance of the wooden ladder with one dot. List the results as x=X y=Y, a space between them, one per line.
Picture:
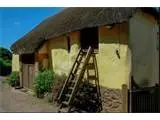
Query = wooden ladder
x=93 y=78
x=74 y=78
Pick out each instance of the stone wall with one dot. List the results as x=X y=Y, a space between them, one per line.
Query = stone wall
x=113 y=100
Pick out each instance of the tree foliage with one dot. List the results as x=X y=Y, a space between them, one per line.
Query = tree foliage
x=5 y=61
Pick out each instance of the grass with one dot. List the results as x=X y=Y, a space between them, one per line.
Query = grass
x=5 y=84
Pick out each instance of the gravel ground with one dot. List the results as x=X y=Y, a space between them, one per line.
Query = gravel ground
x=12 y=100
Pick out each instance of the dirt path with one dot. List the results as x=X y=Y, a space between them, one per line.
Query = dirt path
x=12 y=100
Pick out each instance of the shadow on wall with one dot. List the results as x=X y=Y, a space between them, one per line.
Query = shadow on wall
x=118 y=34
x=144 y=82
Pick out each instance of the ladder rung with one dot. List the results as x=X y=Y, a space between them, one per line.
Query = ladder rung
x=91 y=66
x=92 y=84
x=72 y=82
x=80 y=62
x=68 y=95
x=81 y=53
x=77 y=61
x=79 y=67
x=65 y=103
x=92 y=77
x=74 y=76
x=71 y=88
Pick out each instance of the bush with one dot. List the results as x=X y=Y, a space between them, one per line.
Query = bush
x=13 y=79
x=44 y=82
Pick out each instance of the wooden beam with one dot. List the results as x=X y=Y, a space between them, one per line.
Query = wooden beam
x=124 y=98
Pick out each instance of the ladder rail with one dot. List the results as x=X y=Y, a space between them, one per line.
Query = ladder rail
x=80 y=75
x=97 y=75
x=78 y=64
x=97 y=81
x=58 y=100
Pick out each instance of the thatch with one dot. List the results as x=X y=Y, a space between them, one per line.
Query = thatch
x=69 y=20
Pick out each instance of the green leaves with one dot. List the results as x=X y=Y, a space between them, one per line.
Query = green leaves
x=13 y=78
x=5 y=61
x=5 y=54
x=44 y=81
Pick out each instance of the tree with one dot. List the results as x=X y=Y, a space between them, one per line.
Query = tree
x=5 y=61
x=5 y=54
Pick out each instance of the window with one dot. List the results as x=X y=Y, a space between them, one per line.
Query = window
x=68 y=43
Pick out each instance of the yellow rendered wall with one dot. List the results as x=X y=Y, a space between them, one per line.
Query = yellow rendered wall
x=15 y=62
x=59 y=58
x=113 y=72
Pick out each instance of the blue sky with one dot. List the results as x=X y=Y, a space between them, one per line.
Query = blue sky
x=16 y=22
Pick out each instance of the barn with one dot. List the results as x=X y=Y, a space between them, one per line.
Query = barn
x=124 y=42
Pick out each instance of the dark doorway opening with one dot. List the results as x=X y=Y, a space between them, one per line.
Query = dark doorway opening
x=89 y=37
x=28 y=58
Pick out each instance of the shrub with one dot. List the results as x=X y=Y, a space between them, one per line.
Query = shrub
x=44 y=81
x=13 y=78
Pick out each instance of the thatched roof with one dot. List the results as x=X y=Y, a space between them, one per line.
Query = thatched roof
x=69 y=20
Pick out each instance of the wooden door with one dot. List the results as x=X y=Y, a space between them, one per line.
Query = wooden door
x=28 y=75
x=25 y=76
x=31 y=72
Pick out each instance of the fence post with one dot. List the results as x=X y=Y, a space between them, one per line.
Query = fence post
x=124 y=98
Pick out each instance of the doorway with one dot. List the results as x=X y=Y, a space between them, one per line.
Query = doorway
x=28 y=70
x=89 y=37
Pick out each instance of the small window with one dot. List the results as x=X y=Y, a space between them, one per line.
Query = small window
x=28 y=58
x=68 y=43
